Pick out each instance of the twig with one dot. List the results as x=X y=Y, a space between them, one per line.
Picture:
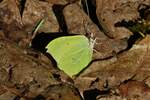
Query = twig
x=87 y=8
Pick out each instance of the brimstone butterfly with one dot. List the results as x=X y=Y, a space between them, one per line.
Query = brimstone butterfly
x=72 y=53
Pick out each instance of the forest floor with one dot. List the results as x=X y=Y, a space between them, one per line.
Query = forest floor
x=120 y=67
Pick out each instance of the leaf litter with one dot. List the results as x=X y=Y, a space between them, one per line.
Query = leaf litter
x=120 y=67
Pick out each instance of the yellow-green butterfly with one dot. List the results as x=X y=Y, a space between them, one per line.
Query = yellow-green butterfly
x=72 y=53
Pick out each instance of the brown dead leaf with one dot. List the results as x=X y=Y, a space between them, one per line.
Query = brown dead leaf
x=61 y=92
x=135 y=89
x=59 y=2
x=10 y=18
x=79 y=23
x=111 y=12
x=132 y=64
x=112 y=97
x=26 y=76
x=35 y=11
x=2 y=34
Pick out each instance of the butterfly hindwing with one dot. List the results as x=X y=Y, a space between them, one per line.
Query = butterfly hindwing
x=72 y=53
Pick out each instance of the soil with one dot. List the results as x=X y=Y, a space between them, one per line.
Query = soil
x=120 y=67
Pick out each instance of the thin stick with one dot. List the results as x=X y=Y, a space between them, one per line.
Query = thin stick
x=87 y=8
x=37 y=27
x=34 y=32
